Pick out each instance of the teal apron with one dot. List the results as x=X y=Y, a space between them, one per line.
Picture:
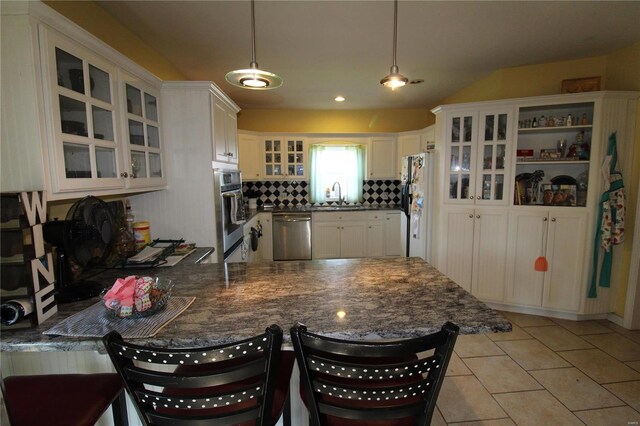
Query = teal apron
x=610 y=224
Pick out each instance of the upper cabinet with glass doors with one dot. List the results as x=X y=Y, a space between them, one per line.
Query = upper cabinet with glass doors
x=476 y=157
x=284 y=158
x=104 y=123
x=86 y=149
x=142 y=129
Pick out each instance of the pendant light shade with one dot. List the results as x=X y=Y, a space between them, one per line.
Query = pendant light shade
x=394 y=79
x=253 y=77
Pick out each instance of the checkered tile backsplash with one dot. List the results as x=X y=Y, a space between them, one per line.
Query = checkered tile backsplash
x=296 y=192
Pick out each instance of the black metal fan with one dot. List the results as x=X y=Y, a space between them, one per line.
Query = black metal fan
x=85 y=238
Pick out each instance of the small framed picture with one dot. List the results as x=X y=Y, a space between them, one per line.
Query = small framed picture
x=548 y=154
x=559 y=195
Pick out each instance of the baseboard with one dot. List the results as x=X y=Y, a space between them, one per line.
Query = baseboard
x=547 y=312
x=616 y=319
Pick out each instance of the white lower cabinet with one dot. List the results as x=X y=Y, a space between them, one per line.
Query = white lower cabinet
x=475 y=250
x=265 y=247
x=392 y=234
x=559 y=236
x=354 y=234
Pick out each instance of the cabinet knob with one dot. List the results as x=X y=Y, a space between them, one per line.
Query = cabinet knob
x=553 y=219
x=124 y=174
x=477 y=216
x=471 y=215
x=544 y=220
x=478 y=197
x=471 y=197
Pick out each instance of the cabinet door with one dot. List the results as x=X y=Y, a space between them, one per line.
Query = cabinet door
x=489 y=253
x=392 y=234
x=220 y=148
x=493 y=154
x=382 y=158
x=407 y=145
x=266 y=242
x=527 y=234
x=249 y=157
x=296 y=158
x=326 y=240
x=144 y=158
x=460 y=156
x=231 y=136
x=352 y=239
x=273 y=153
x=458 y=245
x=86 y=149
x=566 y=256
x=375 y=239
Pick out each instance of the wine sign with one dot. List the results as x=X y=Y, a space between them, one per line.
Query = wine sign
x=28 y=260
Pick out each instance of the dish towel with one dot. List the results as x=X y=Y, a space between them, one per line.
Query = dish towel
x=96 y=321
x=611 y=215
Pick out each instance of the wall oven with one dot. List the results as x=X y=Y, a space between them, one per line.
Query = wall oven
x=230 y=215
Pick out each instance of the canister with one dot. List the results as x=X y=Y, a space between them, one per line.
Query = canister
x=141 y=233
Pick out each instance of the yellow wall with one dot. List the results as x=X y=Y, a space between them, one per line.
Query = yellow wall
x=98 y=22
x=334 y=121
x=619 y=70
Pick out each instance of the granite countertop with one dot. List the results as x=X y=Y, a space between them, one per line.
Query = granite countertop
x=383 y=298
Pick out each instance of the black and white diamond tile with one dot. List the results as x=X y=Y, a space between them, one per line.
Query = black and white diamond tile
x=284 y=193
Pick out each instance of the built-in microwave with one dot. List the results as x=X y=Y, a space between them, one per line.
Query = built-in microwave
x=230 y=214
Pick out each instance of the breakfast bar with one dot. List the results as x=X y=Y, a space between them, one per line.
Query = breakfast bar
x=365 y=299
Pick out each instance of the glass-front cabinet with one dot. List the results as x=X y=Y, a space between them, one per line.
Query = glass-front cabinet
x=104 y=123
x=86 y=150
x=477 y=157
x=284 y=158
x=144 y=159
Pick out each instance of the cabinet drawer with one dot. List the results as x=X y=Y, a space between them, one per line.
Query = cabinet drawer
x=335 y=215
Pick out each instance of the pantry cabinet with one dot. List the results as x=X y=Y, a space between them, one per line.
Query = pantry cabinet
x=520 y=180
x=475 y=249
x=557 y=235
x=78 y=117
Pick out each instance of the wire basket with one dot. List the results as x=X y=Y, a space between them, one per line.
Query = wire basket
x=159 y=296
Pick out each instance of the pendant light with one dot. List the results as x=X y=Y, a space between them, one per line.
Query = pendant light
x=395 y=79
x=253 y=77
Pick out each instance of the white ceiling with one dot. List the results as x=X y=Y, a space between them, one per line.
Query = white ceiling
x=325 y=48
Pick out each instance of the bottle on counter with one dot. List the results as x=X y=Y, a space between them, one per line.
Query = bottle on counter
x=14 y=310
x=534 y=123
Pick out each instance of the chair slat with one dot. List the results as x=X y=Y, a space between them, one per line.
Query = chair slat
x=374 y=413
x=376 y=372
x=383 y=393
x=226 y=420
x=199 y=401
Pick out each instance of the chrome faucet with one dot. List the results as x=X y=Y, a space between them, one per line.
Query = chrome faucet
x=340 y=199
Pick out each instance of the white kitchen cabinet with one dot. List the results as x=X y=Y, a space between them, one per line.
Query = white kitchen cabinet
x=64 y=110
x=381 y=158
x=392 y=234
x=284 y=157
x=144 y=157
x=475 y=250
x=559 y=235
x=266 y=242
x=375 y=239
x=225 y=128
x=249 y=157
x=476 y=163
x=408 y=144
x=339 y=235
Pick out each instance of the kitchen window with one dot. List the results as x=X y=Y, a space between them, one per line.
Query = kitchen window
x=336 y=163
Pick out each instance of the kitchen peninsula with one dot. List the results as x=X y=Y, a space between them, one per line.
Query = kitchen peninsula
x=381 y=298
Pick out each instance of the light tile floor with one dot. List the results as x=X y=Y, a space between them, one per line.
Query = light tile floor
x=546 y=372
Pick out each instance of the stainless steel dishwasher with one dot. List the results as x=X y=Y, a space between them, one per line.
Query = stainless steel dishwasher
x=291 y=235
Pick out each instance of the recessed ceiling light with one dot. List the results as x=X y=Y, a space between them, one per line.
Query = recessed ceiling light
x=339 y=99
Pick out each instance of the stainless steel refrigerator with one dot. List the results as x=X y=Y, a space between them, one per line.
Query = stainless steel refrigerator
x=417 y=203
